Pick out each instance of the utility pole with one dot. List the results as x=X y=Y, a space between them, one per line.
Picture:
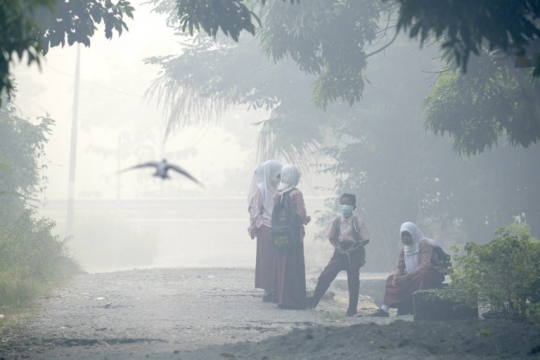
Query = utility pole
x=73 y=148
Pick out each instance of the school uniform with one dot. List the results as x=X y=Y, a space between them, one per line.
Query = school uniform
x=347 y=232
x=290 y=270
x=265 y=259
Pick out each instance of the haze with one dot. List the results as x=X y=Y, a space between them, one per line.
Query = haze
x=134 y=220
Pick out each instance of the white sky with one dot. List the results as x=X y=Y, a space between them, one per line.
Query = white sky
x=113 y=81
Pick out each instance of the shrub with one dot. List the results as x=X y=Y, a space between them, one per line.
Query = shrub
x=503 y=275
x=32 y=260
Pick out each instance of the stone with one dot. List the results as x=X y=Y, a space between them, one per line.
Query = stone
x=429 y=305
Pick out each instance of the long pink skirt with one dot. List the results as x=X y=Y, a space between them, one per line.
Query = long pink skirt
x=291 y=277
x=265 y=260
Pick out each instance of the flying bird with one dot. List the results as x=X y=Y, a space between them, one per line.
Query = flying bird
x=162 y=168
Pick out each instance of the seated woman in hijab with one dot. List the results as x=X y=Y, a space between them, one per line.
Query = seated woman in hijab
x=417 y=269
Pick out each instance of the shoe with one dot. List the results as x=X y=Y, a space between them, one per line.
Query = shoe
x=350 y=313
x=380 y=313
x=311 y=303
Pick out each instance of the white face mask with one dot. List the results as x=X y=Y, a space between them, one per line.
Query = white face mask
x=346 y=210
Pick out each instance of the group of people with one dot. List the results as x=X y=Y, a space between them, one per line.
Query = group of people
x=280 y=266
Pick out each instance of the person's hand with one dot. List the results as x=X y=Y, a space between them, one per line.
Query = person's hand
x=401 y=280
x=394 y=280
x=308 y=219
x=251 y=233
x=339 y=249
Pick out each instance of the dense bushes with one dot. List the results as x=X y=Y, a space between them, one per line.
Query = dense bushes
x=503 y=275
x=32 y=260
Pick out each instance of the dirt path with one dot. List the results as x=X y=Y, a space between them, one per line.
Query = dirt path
x=162 y=310
x=191 y=313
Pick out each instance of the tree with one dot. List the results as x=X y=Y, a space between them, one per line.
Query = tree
x=466 y=27
x=376 y=149
x=208 y=78
x=31 y=27
x=463 y=26
x=231 y=16
x=309 y=32
x=494 y=99
x=329 y=38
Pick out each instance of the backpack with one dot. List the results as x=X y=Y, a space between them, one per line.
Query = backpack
x=285 y=228
x=443 y=259
x=355 y=234
x=355 y=231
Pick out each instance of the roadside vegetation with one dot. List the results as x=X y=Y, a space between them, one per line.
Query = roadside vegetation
x=33 y=261
x=502 y=276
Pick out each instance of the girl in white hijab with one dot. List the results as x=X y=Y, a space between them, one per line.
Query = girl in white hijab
x=415 y=271
x=290 y=176
x=262 y=188
x=411 y=249
x=290 y=286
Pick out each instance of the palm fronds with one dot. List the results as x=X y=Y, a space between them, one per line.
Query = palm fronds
x=183 y=106
x=278 y=141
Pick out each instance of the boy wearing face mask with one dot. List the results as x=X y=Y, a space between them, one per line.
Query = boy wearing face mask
x=348 y=235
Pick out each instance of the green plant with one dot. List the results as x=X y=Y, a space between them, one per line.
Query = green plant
x=501 y=275
x=32 y=260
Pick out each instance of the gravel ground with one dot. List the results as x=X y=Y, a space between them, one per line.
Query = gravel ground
x=216 y=314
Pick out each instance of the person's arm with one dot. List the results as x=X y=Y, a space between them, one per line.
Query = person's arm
x=255 y=213
x=332 y=235
x=300 y=207
x=425 y=251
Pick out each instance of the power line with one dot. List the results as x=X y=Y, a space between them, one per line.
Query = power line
x=140 y=97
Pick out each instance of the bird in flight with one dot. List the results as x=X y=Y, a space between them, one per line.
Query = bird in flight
x=162 y=168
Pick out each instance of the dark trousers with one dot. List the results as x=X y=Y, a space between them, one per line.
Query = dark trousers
x=337 y=263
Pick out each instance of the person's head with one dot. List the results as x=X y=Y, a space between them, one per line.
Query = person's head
x=347 y=203
x=410 y=234
x=406 y=238
x=272 y=173
x=290 y=176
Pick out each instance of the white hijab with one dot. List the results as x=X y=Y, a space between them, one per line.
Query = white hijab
x=256 y=179
x=264 y=177
x=290 y=176
x=412 y=256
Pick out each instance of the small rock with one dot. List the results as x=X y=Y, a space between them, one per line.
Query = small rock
x=103 y=343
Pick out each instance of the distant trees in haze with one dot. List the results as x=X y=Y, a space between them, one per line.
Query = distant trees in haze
x=329 y=39
x=377 y=148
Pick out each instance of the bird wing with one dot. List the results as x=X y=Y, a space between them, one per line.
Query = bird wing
x=185 y=173
x=145 y=164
